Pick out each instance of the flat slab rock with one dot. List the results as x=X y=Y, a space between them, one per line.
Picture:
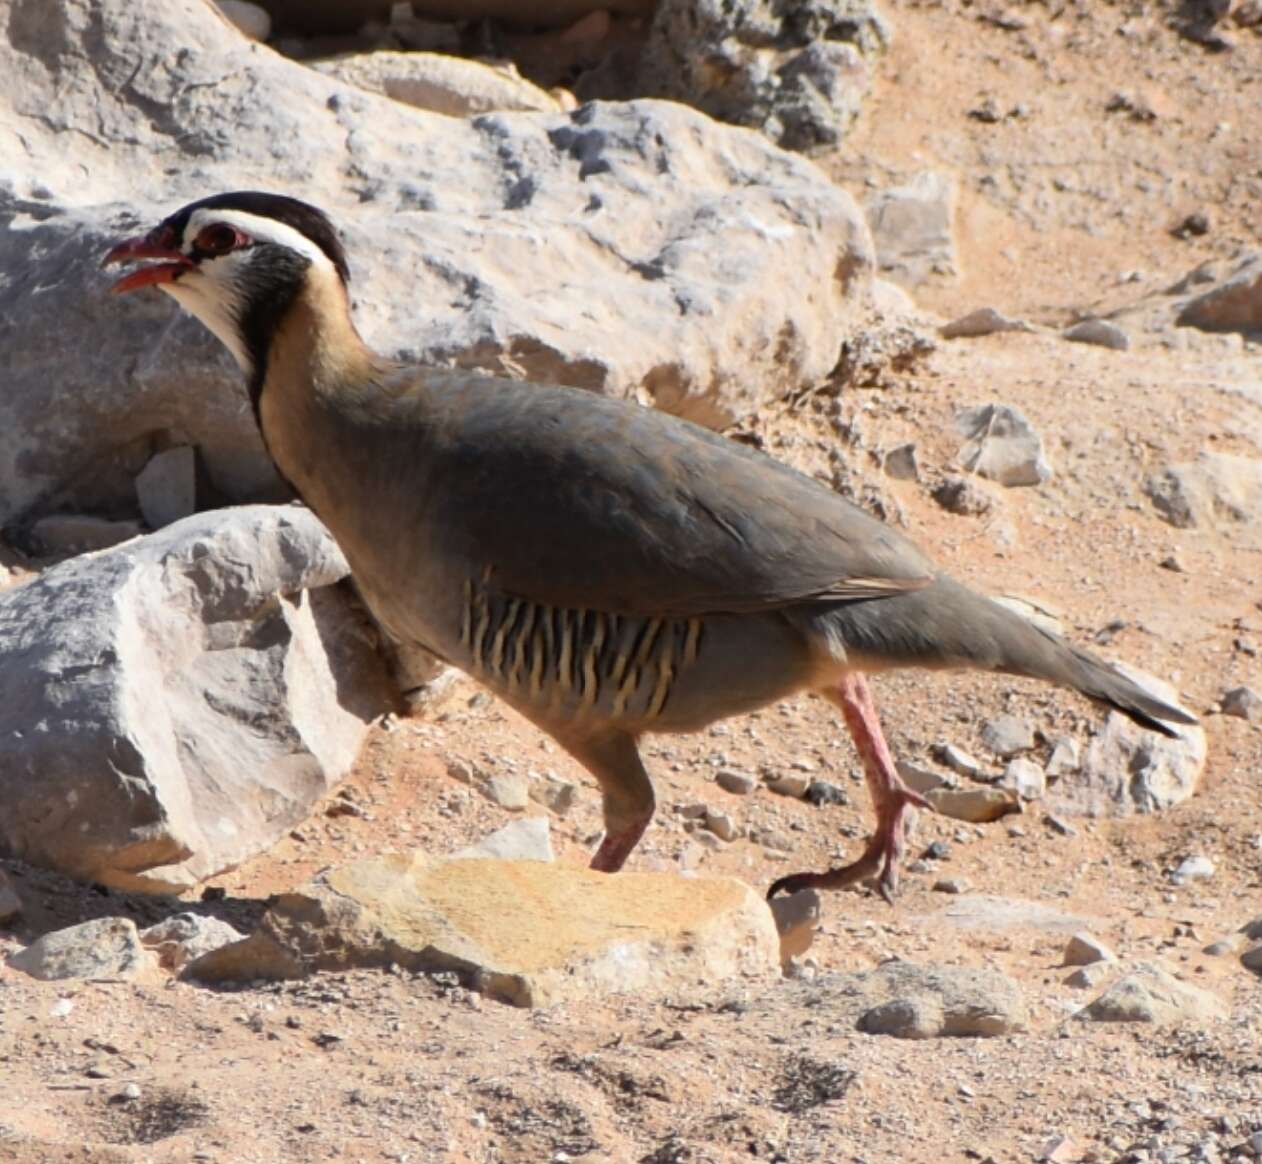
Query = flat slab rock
x=523 y=932
x=984 y=912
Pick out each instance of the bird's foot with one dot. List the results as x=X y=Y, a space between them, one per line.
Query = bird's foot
x=616 y=847
x=880 y=858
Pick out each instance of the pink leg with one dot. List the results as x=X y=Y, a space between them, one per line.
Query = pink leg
x=614 y=759
x=616 y=847
x=891 y=798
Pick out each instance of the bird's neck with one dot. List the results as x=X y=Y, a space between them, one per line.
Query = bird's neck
x=318 y=371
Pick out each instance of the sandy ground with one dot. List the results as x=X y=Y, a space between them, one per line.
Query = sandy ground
x=1056 y=203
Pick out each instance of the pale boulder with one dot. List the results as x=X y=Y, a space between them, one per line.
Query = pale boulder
x=638 y=250
x=174 y=705
x=441 y=84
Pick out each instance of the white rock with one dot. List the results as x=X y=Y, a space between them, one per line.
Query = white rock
x=555 y=794
x=958 y=760
x=196 y=692
x=250 y=19
x=1151 y=994
x=1084 y=948
x=913 y=227
x=508 y=790
x=922 y=1002
x=983 y=321
x=636 y=249
x=1128 y=769
x=1099 y=332
x=166 y=487
x=721 y=825
x=179 y=939
x=1064 y=758
x=1002 y=445
x=529 y=839
x=108 y=947
x=737 y=783
x=1006 y=735
x=1025 y=777
x=792 y=784
x=1217 y=489
x=1194 y=868
x=797 y=918
x=453 y=86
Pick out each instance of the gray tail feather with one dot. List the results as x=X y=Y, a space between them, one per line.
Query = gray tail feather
x=947 y=624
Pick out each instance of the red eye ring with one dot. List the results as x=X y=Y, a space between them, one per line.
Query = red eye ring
x=218 y=239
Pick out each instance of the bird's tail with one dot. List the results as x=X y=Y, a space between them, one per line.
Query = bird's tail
x=946 y=625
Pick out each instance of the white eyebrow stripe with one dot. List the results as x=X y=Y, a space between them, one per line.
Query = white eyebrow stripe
x=258 y=227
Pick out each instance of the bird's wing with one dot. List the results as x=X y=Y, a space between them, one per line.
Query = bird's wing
x=572 y=500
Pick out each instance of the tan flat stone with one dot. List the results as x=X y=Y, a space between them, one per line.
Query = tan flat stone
x=521 y=931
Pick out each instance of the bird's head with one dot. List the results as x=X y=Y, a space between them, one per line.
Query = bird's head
x=237 y=261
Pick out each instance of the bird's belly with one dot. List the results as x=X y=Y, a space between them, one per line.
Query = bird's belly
x=571 y=667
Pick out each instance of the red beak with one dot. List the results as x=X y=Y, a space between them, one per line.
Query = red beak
x=157 y=244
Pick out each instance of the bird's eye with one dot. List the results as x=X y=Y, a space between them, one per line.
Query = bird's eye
x=217 y=239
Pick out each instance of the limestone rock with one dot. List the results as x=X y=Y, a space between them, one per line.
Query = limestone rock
x=737 y=783
x=196 y=691
x=797 y=918
x=529 y=839
x=108 y=947
x=1007 y=735
x=913 y=229
x=1234 y=305
x=1196 y=867
x=923 y=1002
x=1099 y=332
x=1026 y=778
x=976 y=805
x=250 y=20
x=984 y=912
x=523 y=932
x=983 y=321
x=441 y=84
x=1128 y=769
x=1151 y=994
x=166 y=487
x=1216 y=488
x=184 y=937
x=637 y=249
x=507 y=789
x=1084 y=948
x=1002 y=445
x=798 y=71
x=1242 y=703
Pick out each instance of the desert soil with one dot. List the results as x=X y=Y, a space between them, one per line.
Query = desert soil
x=1058 y=203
